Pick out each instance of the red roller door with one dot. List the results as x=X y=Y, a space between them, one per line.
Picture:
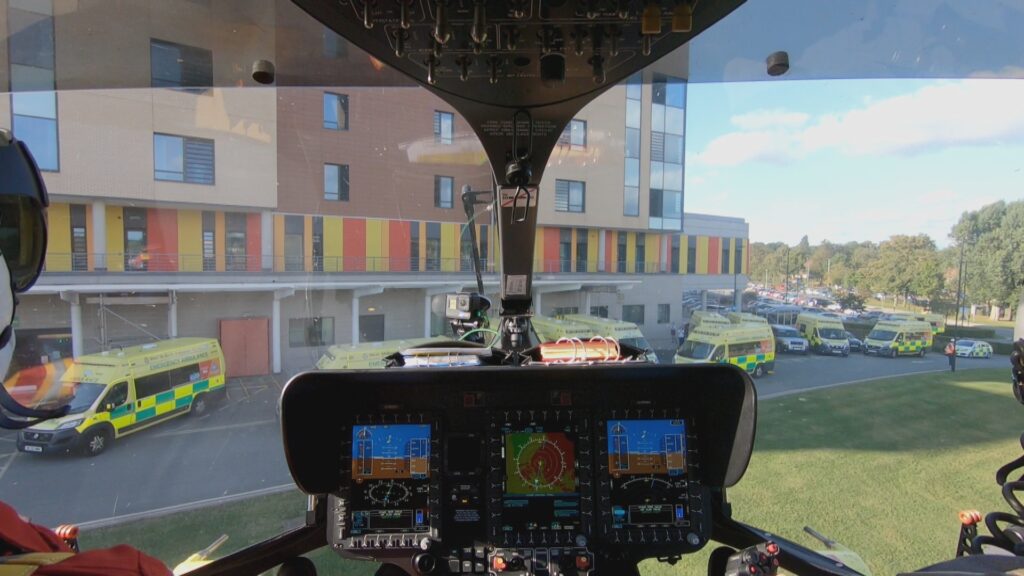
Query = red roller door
x=246 y=344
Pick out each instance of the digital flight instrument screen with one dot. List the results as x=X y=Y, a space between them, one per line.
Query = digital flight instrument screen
x=541 y=488
x=390 y=478
x=647 y=470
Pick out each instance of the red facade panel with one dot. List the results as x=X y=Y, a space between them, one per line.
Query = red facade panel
x=354 y=234
x=714 y=255
x=550 y=253
x=162 y=239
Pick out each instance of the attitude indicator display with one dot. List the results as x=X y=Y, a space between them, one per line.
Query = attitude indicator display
x=391 y=478
x=647 y=466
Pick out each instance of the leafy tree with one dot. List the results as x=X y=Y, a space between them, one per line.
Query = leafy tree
x=906 y=265
x=993 y=241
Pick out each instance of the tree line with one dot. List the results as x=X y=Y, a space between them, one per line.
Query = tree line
x=911 y=268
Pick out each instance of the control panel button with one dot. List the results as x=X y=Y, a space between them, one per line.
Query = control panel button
x=498 y=563
x=479 y=567
x=467 y=566
x=454 y=566
x=583 y=562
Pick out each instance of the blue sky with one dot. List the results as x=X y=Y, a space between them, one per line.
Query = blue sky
x=844 y=160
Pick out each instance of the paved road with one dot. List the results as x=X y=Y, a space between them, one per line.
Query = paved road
x=236 y=448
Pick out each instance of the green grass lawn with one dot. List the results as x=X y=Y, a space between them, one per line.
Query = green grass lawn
x=882 y=467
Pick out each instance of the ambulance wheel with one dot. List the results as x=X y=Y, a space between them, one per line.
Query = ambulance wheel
x=759 y=371
x=96 y=440
x=922 y=352
x=199 y=405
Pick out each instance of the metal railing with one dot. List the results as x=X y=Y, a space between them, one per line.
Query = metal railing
x=242 y=263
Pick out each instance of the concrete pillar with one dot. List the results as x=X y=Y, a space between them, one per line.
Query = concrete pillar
x=537 y=304
x=172 y=314
x=275 y=328
x=77 y=347
x=99 y=236
x=586 y=302
x=355 y=318
x=427 y=299
x=267 y=240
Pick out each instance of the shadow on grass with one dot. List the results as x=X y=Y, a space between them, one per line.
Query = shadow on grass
x=908 y=413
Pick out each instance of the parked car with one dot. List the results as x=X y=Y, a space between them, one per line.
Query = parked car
x=973 y=349
x=856 y=344
x=789 y=339
x=871 y=315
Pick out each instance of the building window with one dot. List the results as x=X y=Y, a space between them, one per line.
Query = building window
x=668 y=103
x=79 y=244
x=334 y=46
x=316 y=331
x=444 y=127
x=738 y=263
x=335 y=111
x=443 y=188
x=631 y=190
x=633 y=313
x=621 y=252
x=136 y=255
x=318 y=243
x=674 y=265
x=565 y=250
x=664 y=313
x=336 y=182
x=641 y=253
x=294 y=249
x=179 y=66
x=433 y=246
x=581 y=250
x=183 y=159
x=235 y=242
x=725 y=256
x=691 y=255
x=574 y=134
x=599 y=311
x=414 y=246
x=466 y=250
x=209 y=243
x=33 y=101
x=483 y=247
x=570 y=196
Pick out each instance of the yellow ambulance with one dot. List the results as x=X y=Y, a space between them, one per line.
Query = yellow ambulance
x=624 y=332
x=750 y=346
x=825 y=334
x=123 y=391
x=551 y=329
x=368 y=355
x=899 y=338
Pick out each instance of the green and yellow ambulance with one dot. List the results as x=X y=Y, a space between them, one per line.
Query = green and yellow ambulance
x=368 y=355
x=825 y=334
x=899 y=338
x=120 y=392
x=750 y=346
x=552 y=329
x=624 y=332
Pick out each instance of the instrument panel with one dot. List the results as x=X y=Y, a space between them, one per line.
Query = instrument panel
x=532 y=470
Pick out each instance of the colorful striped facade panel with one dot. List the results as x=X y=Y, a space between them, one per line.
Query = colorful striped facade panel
x=189 y=240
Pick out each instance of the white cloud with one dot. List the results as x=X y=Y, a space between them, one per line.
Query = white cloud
x=737 y=148
x=765 y=119
x=965 y=113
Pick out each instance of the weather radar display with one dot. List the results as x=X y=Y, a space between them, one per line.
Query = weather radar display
x=541 y=463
